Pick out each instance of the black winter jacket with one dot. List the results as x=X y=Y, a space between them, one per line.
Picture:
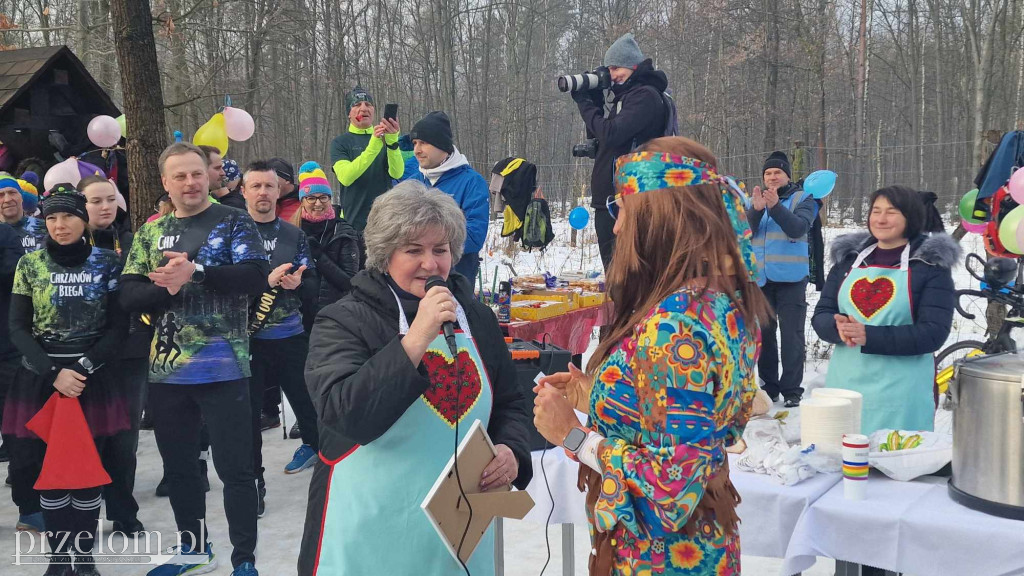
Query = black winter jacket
x=10 y=252
x=335 y=248
x=931 y=290
x=361 y=380
x=140 y=336
x=637 y=115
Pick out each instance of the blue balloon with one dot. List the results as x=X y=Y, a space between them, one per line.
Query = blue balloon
x=820 y=184
x=579 y=217
x=178 y=135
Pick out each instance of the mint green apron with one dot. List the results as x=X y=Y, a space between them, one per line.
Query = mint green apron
x=373 y=523
x=897 y=389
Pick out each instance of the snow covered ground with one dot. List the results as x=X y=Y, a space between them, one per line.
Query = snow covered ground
x=281 y=528
x=525 y=549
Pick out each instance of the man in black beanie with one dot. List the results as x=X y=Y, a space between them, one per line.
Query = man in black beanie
x=780 y=219
x=445 y=168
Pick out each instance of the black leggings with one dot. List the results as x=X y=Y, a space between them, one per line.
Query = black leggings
x=119 y=454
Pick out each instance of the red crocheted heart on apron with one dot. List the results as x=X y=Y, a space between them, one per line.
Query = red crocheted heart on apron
x=445 y=387
x=871 y=296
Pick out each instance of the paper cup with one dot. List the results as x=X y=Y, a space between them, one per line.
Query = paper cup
x=855 y=455
x=855 y=489
x=855 y=466
x=856 y=444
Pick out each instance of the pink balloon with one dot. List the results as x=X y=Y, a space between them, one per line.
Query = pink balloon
x=238 y=124
x=64 y=172
x=973 y=228
x=1016 y=186
x=119 y=198
x=104 y=131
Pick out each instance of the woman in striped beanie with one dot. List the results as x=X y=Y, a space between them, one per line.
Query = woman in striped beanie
x=335 y=244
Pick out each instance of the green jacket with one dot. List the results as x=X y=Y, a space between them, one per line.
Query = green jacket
x=363 y=171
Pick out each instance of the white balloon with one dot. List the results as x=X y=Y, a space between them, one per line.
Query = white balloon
x=104 y=131
x=119 y=197
x=64 y=172
x=238 y=124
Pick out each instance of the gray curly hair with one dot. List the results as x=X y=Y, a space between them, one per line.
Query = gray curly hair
x=403 y=214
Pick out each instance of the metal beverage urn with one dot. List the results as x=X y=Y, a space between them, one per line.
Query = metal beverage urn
x=988 y=435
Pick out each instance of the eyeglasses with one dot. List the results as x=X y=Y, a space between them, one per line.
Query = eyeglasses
x=612 y=204
x=320 y=199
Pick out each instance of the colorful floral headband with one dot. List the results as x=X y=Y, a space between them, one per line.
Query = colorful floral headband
x=639 y=172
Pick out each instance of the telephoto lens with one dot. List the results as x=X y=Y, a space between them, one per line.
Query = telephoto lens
x=577 y=82
x=599 y=78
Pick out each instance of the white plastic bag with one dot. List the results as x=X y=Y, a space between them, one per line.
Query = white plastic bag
x=935 y=451
x=768 y=453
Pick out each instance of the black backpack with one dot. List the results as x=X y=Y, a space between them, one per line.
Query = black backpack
x=537 y=231
x=671 y=117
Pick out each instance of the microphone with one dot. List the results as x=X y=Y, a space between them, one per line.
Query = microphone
x=447 y=327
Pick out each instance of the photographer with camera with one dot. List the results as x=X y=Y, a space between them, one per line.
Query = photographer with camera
x=637 y=114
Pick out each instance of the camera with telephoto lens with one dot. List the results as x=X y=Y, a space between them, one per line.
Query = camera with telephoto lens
x=586 y=150
x=600 y=78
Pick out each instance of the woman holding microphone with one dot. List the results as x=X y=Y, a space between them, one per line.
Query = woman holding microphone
x=390 y=396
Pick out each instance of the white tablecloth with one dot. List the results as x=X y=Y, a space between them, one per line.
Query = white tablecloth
x=569 y=502
x=910 y=527
x=770 y=511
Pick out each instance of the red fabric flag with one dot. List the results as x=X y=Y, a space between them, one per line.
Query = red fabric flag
x=71 y=460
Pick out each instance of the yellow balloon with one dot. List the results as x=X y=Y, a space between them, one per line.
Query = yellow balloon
x=213 y=133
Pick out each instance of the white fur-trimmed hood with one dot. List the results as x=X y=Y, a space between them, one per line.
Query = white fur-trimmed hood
x=938 y=249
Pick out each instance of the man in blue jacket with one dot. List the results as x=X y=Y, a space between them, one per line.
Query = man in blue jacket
x=445 y=168
x=780 y=219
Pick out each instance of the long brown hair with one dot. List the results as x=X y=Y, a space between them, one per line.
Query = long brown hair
x=296 y=219
x=668 y=239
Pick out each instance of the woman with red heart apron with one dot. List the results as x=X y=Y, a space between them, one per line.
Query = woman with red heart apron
x=896 y=389
x=389 y=393
x=887 y=306
x=378 y=493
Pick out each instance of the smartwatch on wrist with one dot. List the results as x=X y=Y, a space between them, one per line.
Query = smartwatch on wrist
x=574 y=439
x=198 y=275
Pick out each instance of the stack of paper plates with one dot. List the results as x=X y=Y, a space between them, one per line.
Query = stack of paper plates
x=855 y=398
x=823 y=421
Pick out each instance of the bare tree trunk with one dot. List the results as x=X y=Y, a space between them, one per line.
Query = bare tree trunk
x=44 y=20
x=981 y=33
x=860 y=92
x=106 y=64
x=822 y=21
x=143 y=102
x=771 y=54
x=83 y=33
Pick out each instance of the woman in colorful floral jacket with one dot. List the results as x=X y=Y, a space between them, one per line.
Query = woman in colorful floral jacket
x=672 y=385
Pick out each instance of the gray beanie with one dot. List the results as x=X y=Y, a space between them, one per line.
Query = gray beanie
x=625 y=52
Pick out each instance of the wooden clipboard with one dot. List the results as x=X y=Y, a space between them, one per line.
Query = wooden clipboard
x=447 y=511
